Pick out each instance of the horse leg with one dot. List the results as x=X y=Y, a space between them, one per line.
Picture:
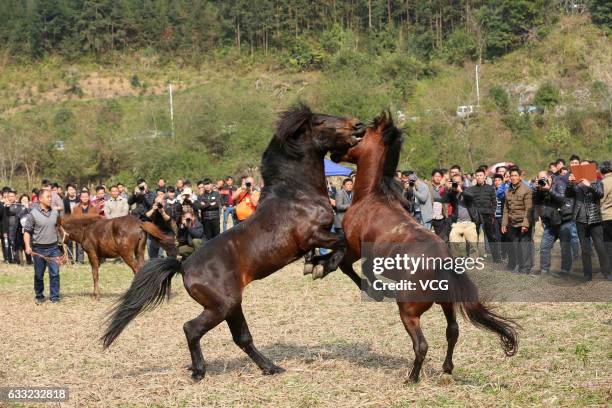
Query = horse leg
x=140 y=249
x=308 y=262
x=95 y=264
x=452 y=334
x=129 y=258
x=410 y=314
x=348 y=270
x=194 y=330
x=243 y=339
x=329 y=240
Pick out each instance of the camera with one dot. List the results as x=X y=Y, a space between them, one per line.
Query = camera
x=159 y=206
x=248 y=185
x=141 y=188
x=542 y=182
x=454 y=185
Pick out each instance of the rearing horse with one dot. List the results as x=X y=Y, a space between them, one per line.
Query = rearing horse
x=293 y=216
x=377 y=218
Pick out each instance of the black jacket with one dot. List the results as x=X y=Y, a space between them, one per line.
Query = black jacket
x=185 y=235
x=143 y=202
x=468 y=199
x=484 y=199
x=586 y=202
x=547 y=204
x=209 y=204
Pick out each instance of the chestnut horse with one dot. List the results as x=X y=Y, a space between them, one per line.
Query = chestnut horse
x=124 y=237
x=293 y=216
x=377 y=217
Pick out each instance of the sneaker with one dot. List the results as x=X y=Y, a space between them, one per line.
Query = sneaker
x=544 y=271
x=39 y=301
x=560 y=275
x=56 y=300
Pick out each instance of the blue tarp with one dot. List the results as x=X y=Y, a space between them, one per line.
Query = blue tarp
x=334 y=169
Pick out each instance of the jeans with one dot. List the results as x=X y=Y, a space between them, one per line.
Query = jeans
x=39 y=271
x=227 y=212
x=563 y=233
x=594 y=232
x=520 y=251
x=154 y=249
x=575 y=240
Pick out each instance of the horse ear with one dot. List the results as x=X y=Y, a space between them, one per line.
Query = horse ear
x=288 y=126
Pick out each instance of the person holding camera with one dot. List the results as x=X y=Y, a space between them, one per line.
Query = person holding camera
x=423 y=207
x=557 y=225
x=141 y=200
x=158 y=216
x=485 y=202
x=464 y=217
x=189 y=232
x=439 y=214
x=589 y=223
x=209 y=204
x=517 y=223
x=246 y=199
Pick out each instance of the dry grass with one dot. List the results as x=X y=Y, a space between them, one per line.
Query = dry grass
x=338 y=350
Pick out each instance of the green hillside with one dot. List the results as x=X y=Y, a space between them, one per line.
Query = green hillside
x=113 y=117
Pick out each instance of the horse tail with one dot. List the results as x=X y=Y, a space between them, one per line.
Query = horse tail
x=148 y=289
x=166 y=240
x=464 y=296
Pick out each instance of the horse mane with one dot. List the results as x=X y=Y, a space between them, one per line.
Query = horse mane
x=289 y=123
x=393 y=140
x=83 y=219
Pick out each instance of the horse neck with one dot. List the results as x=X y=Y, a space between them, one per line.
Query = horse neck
x=76 y=228
x=369 y=173
x=306 y=173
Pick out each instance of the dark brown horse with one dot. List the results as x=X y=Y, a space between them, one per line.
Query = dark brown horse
x=377 y=218
x=123 y=237
x=293 y=215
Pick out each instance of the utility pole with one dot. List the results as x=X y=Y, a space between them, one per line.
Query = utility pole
x=477 y=85
x=171 y=108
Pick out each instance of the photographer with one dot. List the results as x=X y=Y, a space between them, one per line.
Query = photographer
x=246 y=199
x=589 y=222
x=99 y=200
x=422 y=200
x=557 y=225
x=141 y=200
x=485 y=202
x=209 y=204
x=342 y=202
x=158 y=216
x=464 y=217
x=190 y=231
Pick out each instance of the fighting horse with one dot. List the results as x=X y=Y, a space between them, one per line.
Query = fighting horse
x=122 y=237
x=294 y=215
x=377 y=218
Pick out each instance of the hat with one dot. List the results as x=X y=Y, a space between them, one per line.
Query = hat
x=186 y=192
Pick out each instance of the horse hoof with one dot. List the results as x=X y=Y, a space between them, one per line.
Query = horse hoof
x=308 y=267
x=189 y=367
x=273 y=370
x=198 y=376
x=318 y=272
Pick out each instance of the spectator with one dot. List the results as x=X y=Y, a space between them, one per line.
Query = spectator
x=209 y=204
x=71 y=199
x=227 y=201
x=589 y=222
x=556 y=226
x=122 y=192
x=189 y=232
x=606 y=206
x=464 y=218
x=180 y=184
x=172 y=204
x=161 y=185
x=157 y=215
x=116 y=206
x=10 y=223
x=408 y=191
x=24 y=200
x=500 y=197
x=422 y=200
x=40 y=239
x=3 y=195
x=99 y=200
x=343 y=201
x=141 y=200
x=439 y=212
x=246 y=199
x=516 y=222
x=485 y=202
x=57 y=202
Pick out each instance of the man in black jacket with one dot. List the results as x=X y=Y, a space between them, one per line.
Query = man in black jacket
x=557 y=225
x=10 y=222
x=143 y=200
x=587 y=214
x=209 y=204
x=485 y=202
x=463 y=218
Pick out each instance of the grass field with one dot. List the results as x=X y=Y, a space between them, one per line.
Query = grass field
x=338 y=350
